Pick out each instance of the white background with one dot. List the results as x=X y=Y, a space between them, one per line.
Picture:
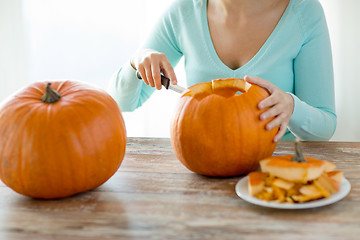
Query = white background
x=88 y=40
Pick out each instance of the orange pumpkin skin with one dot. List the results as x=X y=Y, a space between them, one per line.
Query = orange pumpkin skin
x=215 y=132
x=54 y=150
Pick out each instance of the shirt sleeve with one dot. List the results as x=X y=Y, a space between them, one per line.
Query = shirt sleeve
x=128 y=91
x=314 y=117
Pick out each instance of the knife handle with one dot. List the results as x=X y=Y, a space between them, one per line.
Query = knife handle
x=164 y=80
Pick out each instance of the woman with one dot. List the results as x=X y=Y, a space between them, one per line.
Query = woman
x=283 y=44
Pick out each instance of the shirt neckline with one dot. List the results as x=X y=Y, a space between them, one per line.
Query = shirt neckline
x=247 y=66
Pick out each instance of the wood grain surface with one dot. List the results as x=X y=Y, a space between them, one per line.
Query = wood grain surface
x=152 y=196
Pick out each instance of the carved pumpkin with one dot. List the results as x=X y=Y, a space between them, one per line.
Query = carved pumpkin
x=216 y=132
x=58 y=139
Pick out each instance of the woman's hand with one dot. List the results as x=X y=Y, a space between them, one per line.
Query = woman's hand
x=150 y=64
x=280 y=103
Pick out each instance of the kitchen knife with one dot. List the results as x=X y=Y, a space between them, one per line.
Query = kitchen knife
x=166 y=83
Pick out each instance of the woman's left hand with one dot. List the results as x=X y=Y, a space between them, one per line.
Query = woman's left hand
x=280 y=104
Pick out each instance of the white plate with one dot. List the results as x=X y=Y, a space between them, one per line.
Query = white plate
x=241 y=189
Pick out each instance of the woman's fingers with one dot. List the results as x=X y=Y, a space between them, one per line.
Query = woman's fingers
x=155 y=71
x=260 y=82
x=277 y=121
x=148 y=75
x=143 y=75
x=279 y=106
x=150 y=65
x=271 y=112
x=281 y=132
x=168 y=71
x=268 y=102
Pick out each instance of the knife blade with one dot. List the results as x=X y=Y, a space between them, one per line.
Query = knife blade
x=166 y=83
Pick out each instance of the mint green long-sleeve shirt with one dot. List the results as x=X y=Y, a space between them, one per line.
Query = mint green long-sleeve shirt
x=296 y=57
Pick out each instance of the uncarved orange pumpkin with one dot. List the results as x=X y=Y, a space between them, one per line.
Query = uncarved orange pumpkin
x=60 y=138
x=216 y=132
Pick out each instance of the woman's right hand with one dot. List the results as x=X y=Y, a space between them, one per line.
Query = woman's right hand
x=150 y=64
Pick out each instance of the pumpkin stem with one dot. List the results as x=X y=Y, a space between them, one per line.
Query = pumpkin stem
x=50 y=96
x=298 y=157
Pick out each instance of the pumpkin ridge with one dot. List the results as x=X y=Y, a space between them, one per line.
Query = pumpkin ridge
x=22 y=116
x=34 y=176
x=74 y=142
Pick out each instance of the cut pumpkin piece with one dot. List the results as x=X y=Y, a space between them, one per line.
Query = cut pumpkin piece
x=336 y=175
x=325 y=183
x=329 y=166
x=283 y=167
x=256 y=182
x=280 y=183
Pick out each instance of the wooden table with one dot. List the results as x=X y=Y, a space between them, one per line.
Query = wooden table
x=153 y=196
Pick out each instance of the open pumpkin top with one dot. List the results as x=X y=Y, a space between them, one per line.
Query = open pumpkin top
x=223 y=87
